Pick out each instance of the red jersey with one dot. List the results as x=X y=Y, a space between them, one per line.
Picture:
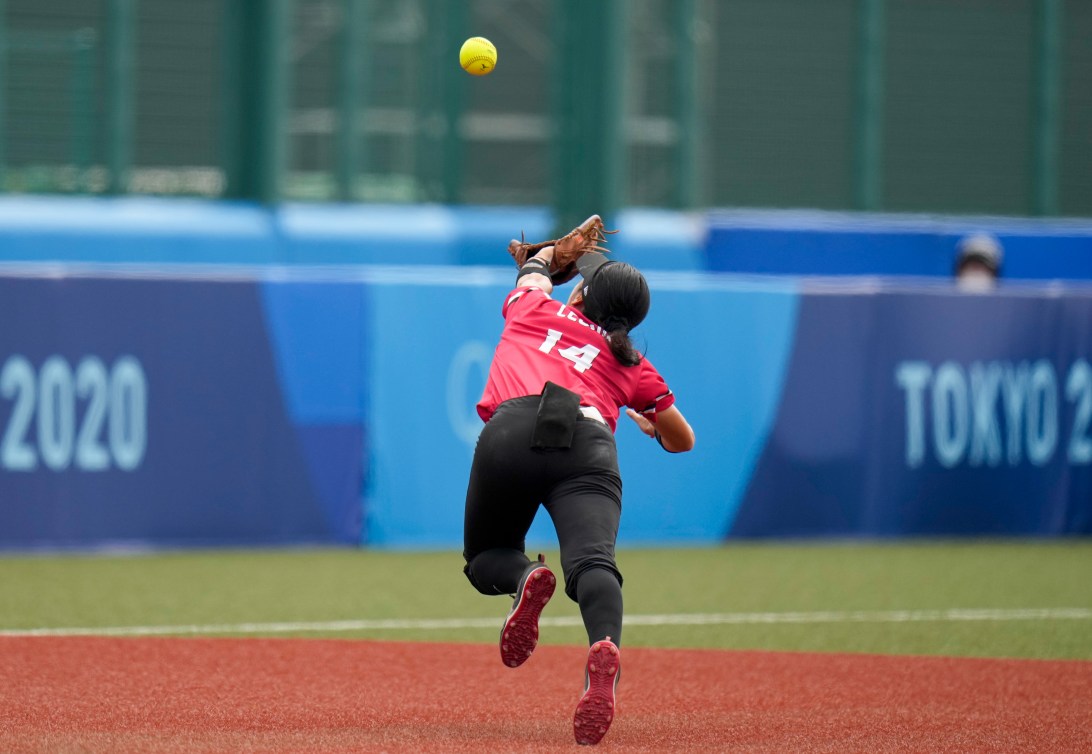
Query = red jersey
x=545 y=340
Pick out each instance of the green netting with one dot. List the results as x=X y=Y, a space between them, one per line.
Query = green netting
x=724 y=102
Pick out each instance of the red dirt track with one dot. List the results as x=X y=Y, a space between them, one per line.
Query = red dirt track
x=283 y=695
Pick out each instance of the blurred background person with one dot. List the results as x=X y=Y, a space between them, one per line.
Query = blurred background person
x=978 y=262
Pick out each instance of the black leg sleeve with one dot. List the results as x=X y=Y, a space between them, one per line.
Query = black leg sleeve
x=600 y=598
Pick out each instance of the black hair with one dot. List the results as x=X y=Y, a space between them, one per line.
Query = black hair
x=622 y=348
x=617 y=299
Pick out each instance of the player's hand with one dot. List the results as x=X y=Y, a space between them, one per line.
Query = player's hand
x=642 y=423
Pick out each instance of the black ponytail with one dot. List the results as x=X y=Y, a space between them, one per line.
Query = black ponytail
x=617 y=299
x=621 y=347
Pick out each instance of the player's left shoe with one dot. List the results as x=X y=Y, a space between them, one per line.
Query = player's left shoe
x=595 y=710
x=519 y=635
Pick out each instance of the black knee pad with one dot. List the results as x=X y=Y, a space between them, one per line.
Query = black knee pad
x=485 y=589
x=497 y=570
x=470 y=577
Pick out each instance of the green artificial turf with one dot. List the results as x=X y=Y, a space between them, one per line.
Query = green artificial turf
x=826 y=584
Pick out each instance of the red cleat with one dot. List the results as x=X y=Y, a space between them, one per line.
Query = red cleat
x=519 y=636
x=595 y=710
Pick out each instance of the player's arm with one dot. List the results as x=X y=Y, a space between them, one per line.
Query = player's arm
x=536 y=271
x=671 y=429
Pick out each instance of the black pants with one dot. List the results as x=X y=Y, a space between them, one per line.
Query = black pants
x=580 y=487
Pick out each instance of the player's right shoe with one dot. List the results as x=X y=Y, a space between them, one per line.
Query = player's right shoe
x=595 y=710
x=519 y=635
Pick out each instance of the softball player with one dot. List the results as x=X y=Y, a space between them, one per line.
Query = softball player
x=559 y=376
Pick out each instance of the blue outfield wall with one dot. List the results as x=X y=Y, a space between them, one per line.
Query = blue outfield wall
x=290 y=405
x=192 y=373
x=782 y=242
x=790 y=242
x=919 y=410
x=180 y=231
x=163 y=411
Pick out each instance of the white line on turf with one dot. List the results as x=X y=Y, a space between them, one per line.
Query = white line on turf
x=683 y=619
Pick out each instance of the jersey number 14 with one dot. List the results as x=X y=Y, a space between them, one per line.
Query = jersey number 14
x=581 y=357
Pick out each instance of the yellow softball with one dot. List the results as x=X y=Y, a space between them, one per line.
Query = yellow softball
x=478 y=56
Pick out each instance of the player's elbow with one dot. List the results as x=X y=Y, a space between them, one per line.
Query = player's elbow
x=674 y=431
x=679 y=441
x=686 y=442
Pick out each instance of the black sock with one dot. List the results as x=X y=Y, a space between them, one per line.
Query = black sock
x=600 y=597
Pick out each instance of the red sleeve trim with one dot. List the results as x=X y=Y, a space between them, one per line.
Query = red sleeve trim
x=659 y=403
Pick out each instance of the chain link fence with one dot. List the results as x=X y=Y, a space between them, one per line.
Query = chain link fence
x=974 y=106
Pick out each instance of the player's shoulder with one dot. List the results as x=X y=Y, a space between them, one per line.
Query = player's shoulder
x=524 y=293
x=647 y=369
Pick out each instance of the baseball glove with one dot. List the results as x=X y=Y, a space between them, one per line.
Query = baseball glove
x=583 y=238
